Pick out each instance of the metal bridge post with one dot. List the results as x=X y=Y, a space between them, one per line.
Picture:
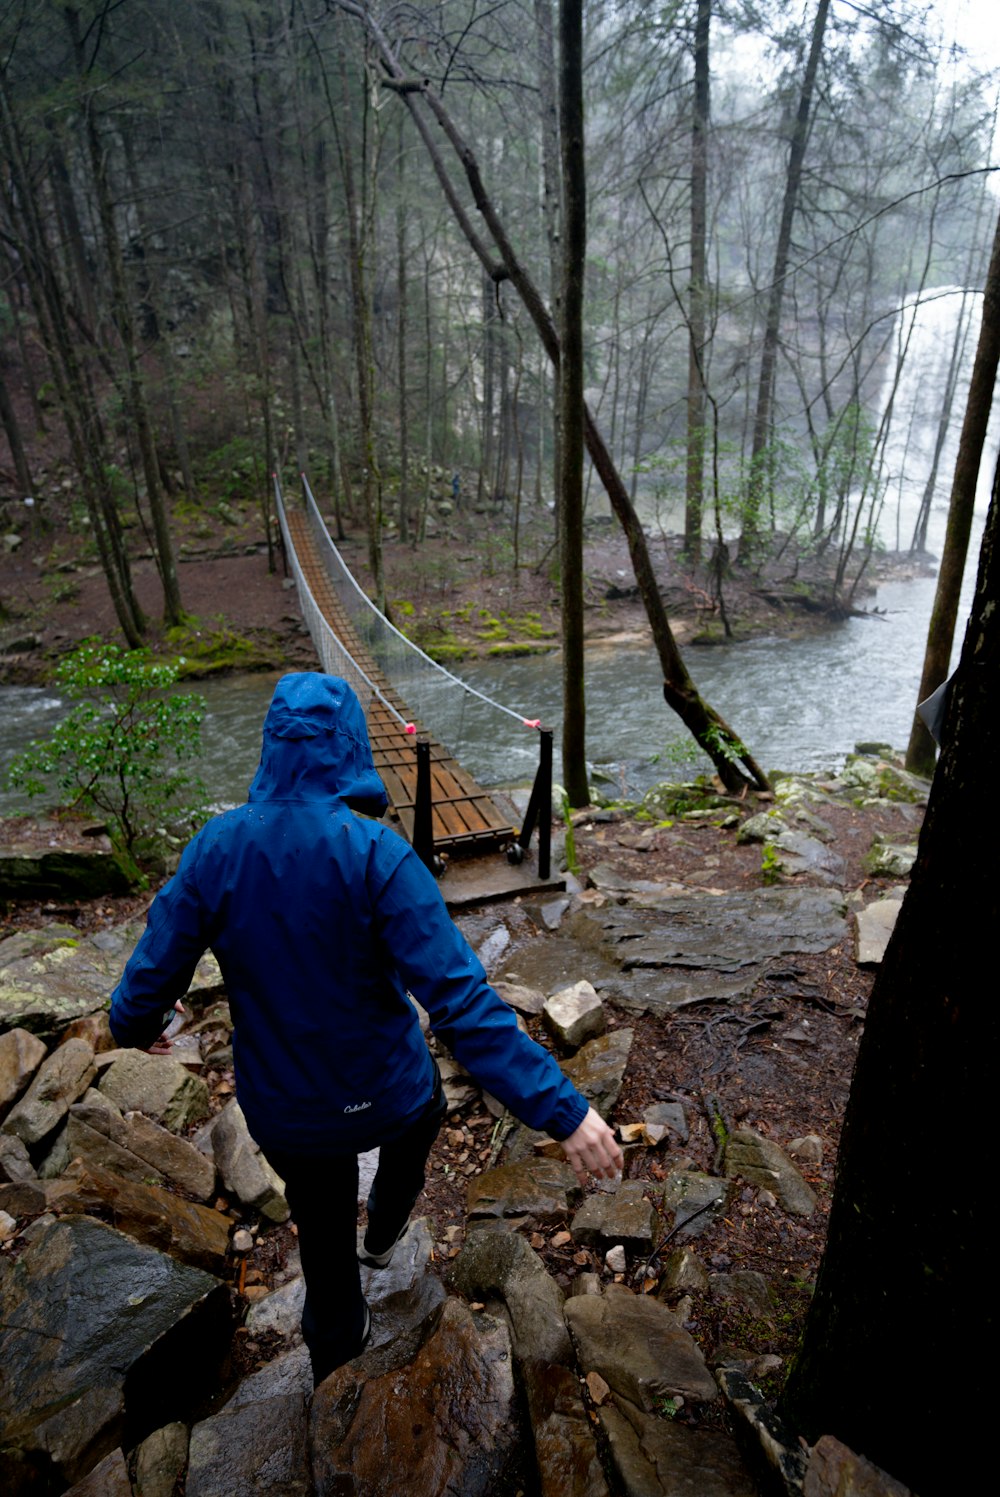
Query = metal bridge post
x=423 y=830
x=540 y=806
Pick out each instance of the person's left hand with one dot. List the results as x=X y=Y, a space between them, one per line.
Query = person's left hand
x=164 y=1044
x=593 y=1149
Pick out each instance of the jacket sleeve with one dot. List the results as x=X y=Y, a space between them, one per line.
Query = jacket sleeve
x=440 y=969
x=161 y=967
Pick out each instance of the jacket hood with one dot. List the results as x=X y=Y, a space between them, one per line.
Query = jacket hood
x=315 y=746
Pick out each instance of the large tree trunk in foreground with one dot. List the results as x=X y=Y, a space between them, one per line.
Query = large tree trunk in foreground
x=904 y=1310
x=941 y=631
x=734 y=764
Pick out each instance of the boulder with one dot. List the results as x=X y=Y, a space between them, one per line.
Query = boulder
x=574 y=1015
x=158 y=1086
x=638 y=1347
x=244 y=1170
x=875 y=924
x=498 y=1261
x=109 y=1478
x=526 y=1000
x=146 y=1337
x=63 y=1077
x=834 y=1471
x=448 y=1426
x=21 y=1053
x=197 y=1235
x=695 y=1200
x=138 y=1149
x=251 y=1447
x=15 y=1161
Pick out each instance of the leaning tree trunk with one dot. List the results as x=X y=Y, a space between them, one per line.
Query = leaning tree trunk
x=734 y=764
x=900 y=1303
x=941 y=631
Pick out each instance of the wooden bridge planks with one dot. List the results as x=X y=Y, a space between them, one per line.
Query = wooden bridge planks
x=464 y=818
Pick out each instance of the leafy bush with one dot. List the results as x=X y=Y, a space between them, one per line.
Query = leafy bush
x=121 y=750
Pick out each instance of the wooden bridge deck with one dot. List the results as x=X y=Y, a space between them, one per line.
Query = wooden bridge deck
x=464 y=818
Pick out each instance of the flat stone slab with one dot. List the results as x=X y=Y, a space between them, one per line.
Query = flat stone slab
x=624 y=1217
x=725 y=932
x=598 y=1068
x=157 y=1085
x=66 y=1377
x=60 y=975
x=565 y=1450
x=640 y=1349
x=695 y=1200
x=252 y=1447
x=61 y=1078
x=540 y=1188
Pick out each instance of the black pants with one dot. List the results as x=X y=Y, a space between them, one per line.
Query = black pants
x=322 y=1191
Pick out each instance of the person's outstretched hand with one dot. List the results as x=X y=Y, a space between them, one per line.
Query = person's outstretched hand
x=592 y=1149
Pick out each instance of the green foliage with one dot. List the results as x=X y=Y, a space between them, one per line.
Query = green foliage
x=718 y=741
x=770 y=864
x=122 y=749
x=571 y=862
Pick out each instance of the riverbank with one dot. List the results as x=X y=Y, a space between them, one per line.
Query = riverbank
x=458 y=595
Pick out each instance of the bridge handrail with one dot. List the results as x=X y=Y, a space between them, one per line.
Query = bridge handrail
x=325 y=540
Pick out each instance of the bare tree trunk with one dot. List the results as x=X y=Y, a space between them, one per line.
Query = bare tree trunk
x=701 y=115
x=759 y=475
x=13 y=430
x=401 y=341
x=941 y=632
x=571 y=404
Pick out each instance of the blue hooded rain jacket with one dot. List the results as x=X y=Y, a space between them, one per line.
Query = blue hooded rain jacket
x=322 y=922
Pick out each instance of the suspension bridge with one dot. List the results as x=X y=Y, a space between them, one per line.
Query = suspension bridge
x=436 y=804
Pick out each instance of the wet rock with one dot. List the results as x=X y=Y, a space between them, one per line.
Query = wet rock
x=71 y=1380
x=252 y=1447
x=745 y=1288
x=280 y=1311
x=138 y=1149
x=15 y=1161
x=890 y=860
x=108 y=1479
x=801 y=853
x=761 y=1162
x=598 y=1069
x=653 y=1457
x=197 y=1235
x=60 y=1079
x=808 y=1149
x=875 y=924
x=526 y=1000
x=161 y=1461
x=668 y=1115
x=609 y=880
x=27 y=872
x=565 y=1452
x=450 y=1424
x=244 y=1170
x=639 y=1348
x=684 y=1270
x=493 y=948
x=694 y=1200
x=835 y=1471
x=540 y=1188
x=615 y=1259
x=95 y=1029
x=574 y=1015
x=288 y=1374
x=777 y=1451
x=625 y=1217
x=21 y=1053
x=880 y=780
x=60 y=975
x=553 y=911
x=501 y=1262
x=763 y=827
x=157 y=1085
x=459 y=1087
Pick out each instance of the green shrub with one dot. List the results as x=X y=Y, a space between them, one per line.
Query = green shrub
x=123 y=748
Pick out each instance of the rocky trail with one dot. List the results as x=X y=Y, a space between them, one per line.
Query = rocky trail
x=703 y=979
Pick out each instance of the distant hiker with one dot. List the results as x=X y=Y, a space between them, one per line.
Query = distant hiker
x=322 y=922
x=456 y=487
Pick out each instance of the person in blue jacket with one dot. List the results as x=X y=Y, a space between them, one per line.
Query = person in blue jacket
x=323 y=922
